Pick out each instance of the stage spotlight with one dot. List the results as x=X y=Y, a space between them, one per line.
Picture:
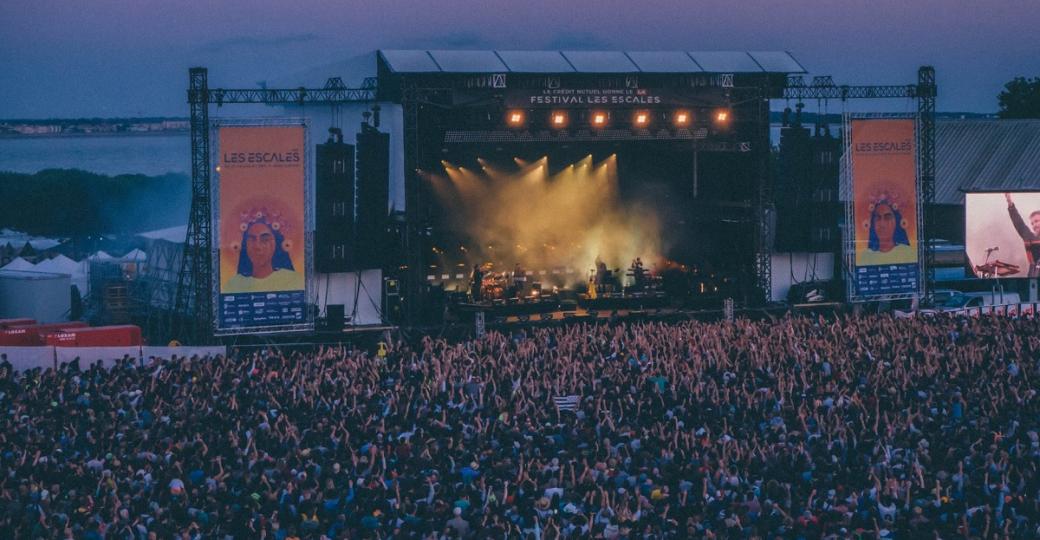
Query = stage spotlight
x=641 y=119
x=722 y=116
x=682 y=118
x=559 y=119
x=515 y=118
x=599 y=119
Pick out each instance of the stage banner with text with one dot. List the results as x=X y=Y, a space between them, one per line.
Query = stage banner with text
x=885 y=220
x=594 y=98
x=261 y=220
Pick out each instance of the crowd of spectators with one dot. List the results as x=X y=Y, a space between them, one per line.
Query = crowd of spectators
x=799 y=427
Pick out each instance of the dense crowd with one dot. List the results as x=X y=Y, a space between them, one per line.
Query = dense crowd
x=793 y=428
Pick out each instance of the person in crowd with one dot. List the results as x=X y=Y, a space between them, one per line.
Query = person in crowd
x=797 y=427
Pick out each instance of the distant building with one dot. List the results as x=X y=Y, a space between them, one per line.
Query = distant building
x=30 y=129
x=178 y=125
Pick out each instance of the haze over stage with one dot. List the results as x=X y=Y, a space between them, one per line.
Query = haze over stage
x=544 y=215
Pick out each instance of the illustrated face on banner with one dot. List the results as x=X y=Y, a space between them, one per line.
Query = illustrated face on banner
x=265 y=250
x=884 y=191
x=262 y=217
x=260 y=244
x=1002 y=234
x=887 y=228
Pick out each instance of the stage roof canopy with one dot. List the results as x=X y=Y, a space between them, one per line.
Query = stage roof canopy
x=487 y=61
x=985 y=155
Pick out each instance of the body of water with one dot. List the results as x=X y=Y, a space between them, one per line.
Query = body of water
x=151 y=155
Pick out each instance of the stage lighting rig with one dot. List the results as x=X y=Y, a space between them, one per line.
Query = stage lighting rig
x=641 y=119
x=558 y=119
x=682 y=118
x=515 y=118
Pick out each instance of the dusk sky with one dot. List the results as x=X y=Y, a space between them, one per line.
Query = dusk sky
x=130 y=57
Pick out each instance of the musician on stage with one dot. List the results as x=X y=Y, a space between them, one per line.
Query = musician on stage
x=1030 y=236
x=638 y=273
x=476 y=280
x=590 y=291
x=601 y=272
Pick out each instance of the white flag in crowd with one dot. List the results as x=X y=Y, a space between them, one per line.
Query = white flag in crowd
x=567 y=403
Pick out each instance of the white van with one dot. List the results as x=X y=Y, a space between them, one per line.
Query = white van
x=957 y=300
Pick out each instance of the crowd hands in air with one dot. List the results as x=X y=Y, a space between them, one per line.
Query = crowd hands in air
x=791 y=428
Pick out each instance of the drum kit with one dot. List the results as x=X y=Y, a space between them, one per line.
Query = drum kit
x=505 y=285
x=494 y=285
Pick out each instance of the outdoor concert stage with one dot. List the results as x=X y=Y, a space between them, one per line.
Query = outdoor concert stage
x=541 y=164
x=603 y=180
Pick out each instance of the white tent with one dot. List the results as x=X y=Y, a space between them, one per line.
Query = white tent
x=135 y=255
x=19 y=239
x=170 y=234
x=58 y=265
x=99 y=256
x=64 y=265
x=20 y=264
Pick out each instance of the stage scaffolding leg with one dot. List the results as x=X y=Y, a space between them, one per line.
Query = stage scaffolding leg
x=763 y=206
x=191 y=317
x=926 y=92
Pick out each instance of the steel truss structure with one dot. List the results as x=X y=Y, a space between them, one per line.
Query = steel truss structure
x=191 y=319
x=925 y=92
x=849 y=241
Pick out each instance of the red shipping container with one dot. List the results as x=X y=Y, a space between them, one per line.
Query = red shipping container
x=5 y=323
x=33 y=334
x=16 y=339
x=100 y=336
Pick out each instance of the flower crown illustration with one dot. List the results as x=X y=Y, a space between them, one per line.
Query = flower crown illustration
x=886 y=198
x=270 y=217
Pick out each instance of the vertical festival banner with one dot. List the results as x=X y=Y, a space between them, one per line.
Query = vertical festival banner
x=885 y=220
x=261 y=219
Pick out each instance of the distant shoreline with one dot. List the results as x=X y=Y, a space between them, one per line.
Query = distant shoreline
x=9 y=136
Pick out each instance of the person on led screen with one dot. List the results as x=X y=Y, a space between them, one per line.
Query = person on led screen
x=888 y=241
x=1030 y=234
x=264 y=264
